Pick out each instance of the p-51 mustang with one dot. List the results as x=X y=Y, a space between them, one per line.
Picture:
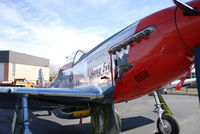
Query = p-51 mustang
x=139 y=59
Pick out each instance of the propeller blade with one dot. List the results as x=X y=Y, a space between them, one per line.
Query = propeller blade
x=197 y=67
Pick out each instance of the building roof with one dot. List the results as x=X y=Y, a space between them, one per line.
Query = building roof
x=21 y=58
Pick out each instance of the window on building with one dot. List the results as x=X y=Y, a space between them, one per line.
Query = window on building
x=13 y=70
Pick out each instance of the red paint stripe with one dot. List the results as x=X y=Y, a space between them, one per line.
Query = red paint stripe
x=180 y=84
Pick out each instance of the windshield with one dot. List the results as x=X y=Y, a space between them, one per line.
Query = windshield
x=74 y=57
x=69 y=59
x=77 y=56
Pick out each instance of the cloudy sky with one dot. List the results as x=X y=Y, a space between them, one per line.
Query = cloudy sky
x=55 y=28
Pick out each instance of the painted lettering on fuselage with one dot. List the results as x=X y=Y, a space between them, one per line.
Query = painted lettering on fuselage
x=99 y=70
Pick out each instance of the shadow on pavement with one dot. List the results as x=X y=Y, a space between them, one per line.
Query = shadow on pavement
x=42 y=126
x=45 y=126
x=135 y=122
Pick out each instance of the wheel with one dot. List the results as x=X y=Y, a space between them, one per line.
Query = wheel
x=171 y=126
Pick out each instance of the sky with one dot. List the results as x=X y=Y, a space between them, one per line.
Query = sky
x=54 y=29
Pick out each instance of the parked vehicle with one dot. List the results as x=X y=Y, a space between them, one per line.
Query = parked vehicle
x=18 y=82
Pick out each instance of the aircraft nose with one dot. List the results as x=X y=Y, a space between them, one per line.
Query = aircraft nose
x=188 y=28
x=187 y=21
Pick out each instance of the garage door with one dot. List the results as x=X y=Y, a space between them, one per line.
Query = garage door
x=1 y=71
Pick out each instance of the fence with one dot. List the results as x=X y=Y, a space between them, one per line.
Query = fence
x=184 y=91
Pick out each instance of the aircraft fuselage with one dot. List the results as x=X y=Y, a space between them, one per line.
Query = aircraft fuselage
x=141 y=58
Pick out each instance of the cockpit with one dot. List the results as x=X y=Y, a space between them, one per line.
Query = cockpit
x=78 y=56
x=75 y=57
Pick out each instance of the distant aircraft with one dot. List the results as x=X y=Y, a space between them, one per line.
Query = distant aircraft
x=139 y=59
x=175 y=83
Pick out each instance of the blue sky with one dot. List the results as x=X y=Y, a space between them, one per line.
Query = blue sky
x=55 y=28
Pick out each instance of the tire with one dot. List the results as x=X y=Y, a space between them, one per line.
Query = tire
x=172 y=125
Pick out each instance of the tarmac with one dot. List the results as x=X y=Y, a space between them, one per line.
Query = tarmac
x=137 y=118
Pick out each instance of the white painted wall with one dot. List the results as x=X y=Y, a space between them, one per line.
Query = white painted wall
x=1 y=72
x=27 y=71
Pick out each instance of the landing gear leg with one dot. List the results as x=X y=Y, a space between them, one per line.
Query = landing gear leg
x=104 y=119
x=166 y=124
x=25 y=115
x=20 y=123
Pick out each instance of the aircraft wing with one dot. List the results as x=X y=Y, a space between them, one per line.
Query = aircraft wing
x=88 y=92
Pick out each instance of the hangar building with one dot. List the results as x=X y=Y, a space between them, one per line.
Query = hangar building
x=20 y=65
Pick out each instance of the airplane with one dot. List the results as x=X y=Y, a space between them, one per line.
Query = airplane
x=177 y=84
x=136 y=61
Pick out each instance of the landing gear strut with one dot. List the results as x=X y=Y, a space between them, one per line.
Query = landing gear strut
x=104 y=119
x=21 y=119
x=166 y=124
